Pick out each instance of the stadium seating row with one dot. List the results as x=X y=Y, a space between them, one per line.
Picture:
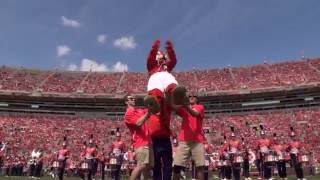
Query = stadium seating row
x=290 y=73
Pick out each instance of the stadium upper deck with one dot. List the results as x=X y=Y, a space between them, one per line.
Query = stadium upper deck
x=229 y=79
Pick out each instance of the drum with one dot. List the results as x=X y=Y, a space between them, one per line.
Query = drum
x=225 y=163
x=269 y=158
x=55 y=164
x=264 y=149
x=124 y=167
x=106 y=168
x=113 y=161
x=238 y=159
x=84 y=165
x=303 y=158
x=279 y=157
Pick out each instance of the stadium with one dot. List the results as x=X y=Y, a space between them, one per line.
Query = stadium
x=39 y=107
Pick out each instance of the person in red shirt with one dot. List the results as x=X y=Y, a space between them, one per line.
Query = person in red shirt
x=233 y=148
x=135 y=120
x=264 y=145
x=191 y=137
x=225 y=170
x=62 y=156
x=160 y=132
x=161 y=82
x=295 y=147
x=117 y=150
x=279 y=149
x=90 y=157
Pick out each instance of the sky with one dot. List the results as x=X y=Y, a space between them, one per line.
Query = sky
x=116 y=35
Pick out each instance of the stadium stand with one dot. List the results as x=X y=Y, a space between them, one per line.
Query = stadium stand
x=23 y=132
x=286 y=74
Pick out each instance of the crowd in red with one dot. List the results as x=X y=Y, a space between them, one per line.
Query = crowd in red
x=23 y=133
x=290 y=73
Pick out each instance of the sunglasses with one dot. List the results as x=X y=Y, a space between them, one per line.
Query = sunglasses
x=193 y=96
x=131 y=98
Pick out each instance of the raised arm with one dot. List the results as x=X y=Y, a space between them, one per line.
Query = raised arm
x=143 y=118
x=151 y=61
x=172 y=56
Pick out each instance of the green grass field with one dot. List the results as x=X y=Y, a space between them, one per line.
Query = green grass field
x=77 y=178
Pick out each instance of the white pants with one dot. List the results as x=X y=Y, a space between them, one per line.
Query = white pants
x=161 y=80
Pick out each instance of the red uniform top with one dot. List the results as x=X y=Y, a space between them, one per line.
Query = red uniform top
x=168 y=65
x=263 y=146
x=63 y=154
x=232 y=145
x=90 y=152
x=295 y=146
x=159 y=124
x=102 y=157
x=117 y=147
x=140 y=135
x=264 y=143
x=191 y=127
x=278 y=148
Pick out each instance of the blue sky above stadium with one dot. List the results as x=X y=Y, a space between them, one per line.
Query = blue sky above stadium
x=115 y=35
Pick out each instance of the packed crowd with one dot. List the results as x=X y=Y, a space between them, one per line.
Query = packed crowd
x=290 y=73
x=23 y=133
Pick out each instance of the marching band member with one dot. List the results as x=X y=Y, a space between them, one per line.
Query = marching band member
x=83 y=165
x=264 y=145
x=36 y=163
x=208 y=154
x=90 y=157
x=246 y=158
x=226 y=170
x=62 y=156
x=233 y=148
x=294 y=148
x=39 y=163
x=117 y=149
x=279 y=150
